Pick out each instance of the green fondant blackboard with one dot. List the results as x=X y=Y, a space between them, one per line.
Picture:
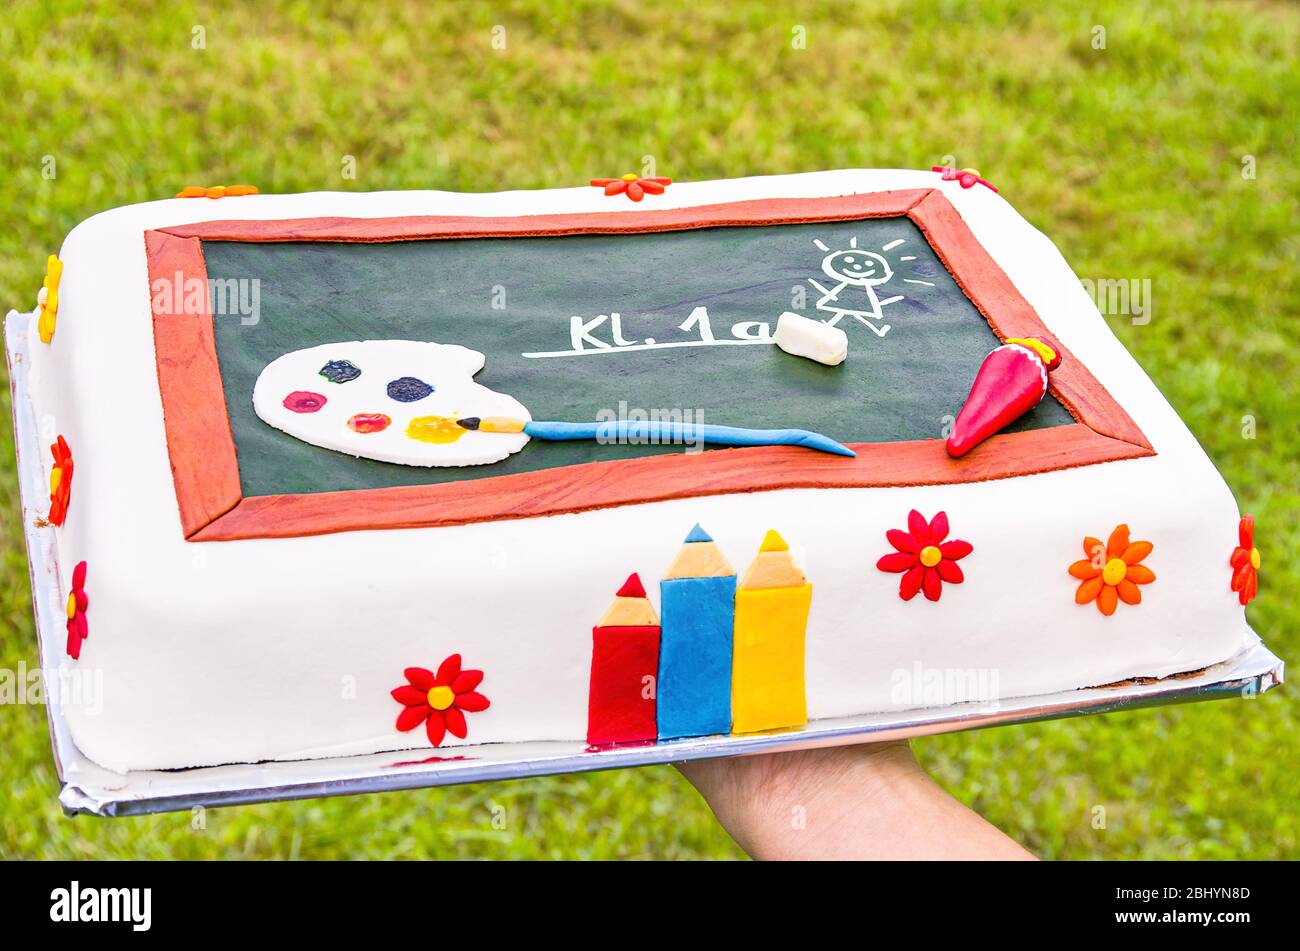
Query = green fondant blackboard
x=512 y=296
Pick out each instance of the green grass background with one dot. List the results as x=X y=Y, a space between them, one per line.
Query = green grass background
x=1130 y=158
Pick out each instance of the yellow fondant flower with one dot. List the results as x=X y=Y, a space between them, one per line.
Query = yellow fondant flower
x=48 y=299
x=1112 y=572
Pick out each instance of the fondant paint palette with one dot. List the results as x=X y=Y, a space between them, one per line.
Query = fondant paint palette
x=388 y=400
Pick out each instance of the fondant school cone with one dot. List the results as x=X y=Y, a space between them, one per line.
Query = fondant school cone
x=624 y=665
x=1011 y=381
x=767 y=671
x=698 y=599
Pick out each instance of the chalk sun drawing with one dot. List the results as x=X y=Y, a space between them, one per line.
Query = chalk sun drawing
x=857 y=274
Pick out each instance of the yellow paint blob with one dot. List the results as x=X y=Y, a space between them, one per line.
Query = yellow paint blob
x=1254 y=558
x=1114 y=571
x=931 y=556
x=435 y=429
x=440 y=698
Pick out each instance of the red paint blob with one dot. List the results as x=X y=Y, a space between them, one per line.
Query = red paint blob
x=369 y=423
x=302 y=401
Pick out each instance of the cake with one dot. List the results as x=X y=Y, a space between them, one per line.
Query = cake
x=343 y=473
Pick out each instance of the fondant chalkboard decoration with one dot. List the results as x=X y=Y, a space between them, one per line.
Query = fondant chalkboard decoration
x=440 y=701
x=78 y=629
x=1245 y=562
x=697 y=597
x=633 y=186
x=772 y=604
x=967 y=177
x=1112 y=572
x=624 y=667
x=656 y=432
x=216 y=191
x=389 y=400
x=60 y=481
x=1011 y=381
x=47 y=299
x=924 y=556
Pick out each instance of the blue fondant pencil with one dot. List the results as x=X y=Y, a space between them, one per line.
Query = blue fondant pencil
x=697 y=607
x=656 y=431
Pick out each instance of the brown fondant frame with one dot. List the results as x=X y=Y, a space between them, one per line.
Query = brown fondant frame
x=206 y=469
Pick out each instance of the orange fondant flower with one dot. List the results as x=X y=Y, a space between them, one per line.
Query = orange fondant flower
x=1112 y=572
x=216 y=191
x=925 y=560
x=60 y=481
x=1245 y=562
x=633 y=186
x=439 y=701
x=78 y=629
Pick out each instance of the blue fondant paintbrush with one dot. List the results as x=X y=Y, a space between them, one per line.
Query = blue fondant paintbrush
x=658 y=432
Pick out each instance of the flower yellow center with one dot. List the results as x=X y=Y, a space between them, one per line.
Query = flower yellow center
x=931 y=556
x=1114 y=571
x=440 y=698
x=56 y=476
x=629 y=177
x=72 y=605
x=1254 y=558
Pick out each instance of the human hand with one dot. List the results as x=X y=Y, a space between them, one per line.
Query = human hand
x=846 y=802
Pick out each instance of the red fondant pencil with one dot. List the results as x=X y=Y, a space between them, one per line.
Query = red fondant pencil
x=1011 y=381
x=624 y=664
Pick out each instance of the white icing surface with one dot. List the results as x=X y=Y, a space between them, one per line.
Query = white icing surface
x=448 y=368
x=287 y=648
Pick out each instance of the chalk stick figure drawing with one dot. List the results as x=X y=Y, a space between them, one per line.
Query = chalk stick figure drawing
x=858 y=273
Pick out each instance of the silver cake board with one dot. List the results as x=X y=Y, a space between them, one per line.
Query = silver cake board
x=89 y=788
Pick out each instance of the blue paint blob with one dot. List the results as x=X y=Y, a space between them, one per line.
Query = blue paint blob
x=340 y=371
x=408 y=389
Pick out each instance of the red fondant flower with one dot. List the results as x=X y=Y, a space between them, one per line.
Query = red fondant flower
x=1245 y=562
x=1112 y=572
x=633 y=186
x=78 y=630
x=60 y=481
x=924 y=558
x=439 y=701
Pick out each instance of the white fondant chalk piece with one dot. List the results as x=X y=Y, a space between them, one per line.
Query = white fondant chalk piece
x=805 y=337
x=448 y=368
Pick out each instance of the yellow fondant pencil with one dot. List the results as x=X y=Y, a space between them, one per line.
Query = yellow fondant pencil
x=767 y=672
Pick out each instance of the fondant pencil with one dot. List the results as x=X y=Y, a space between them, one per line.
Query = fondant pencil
x=698 y=599
x=656 y=431
x=1011 y=381
x=624 y=665
x=767 y=673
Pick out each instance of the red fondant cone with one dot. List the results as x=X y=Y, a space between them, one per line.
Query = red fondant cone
x=1011 y=381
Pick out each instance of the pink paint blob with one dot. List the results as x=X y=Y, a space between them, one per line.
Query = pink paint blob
x=302 y=401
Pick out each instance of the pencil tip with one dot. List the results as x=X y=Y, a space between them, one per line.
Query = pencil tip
x=698 y=534
x=632 y=587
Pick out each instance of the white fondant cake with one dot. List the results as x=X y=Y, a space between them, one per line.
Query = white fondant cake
x=287 y=640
